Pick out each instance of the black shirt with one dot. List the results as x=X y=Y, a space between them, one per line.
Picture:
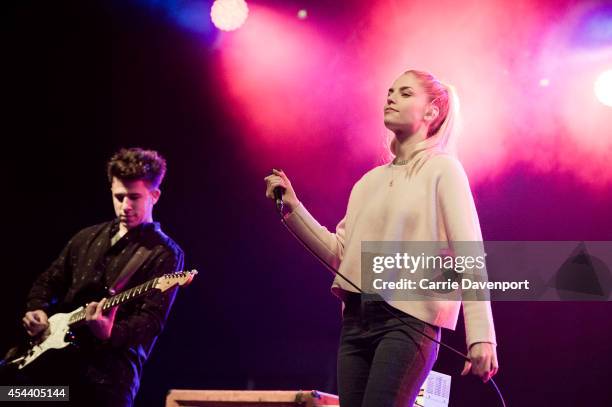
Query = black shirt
x=87 y=265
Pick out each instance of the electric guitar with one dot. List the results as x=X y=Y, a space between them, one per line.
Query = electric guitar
x=59 y=335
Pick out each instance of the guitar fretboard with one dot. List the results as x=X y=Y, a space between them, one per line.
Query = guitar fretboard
x=118 y=299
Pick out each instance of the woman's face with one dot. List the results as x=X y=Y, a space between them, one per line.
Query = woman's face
x=407 y=107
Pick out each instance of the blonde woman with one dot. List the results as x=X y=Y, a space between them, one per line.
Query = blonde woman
x=422 y=195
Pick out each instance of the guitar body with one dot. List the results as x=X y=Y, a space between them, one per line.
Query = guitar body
x=57 y=336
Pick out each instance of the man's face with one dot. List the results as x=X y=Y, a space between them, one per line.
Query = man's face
x=133 y=202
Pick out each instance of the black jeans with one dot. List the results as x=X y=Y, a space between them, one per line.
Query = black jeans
x=381 y=362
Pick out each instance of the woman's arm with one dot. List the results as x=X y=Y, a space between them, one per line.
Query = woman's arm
x=329 y=246
x=461 y=224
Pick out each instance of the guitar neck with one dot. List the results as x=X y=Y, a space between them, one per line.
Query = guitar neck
x=118 y=299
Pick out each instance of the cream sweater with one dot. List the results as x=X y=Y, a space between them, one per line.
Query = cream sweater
x=433 y=203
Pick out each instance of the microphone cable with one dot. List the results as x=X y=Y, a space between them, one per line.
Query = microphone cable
x=386 y=306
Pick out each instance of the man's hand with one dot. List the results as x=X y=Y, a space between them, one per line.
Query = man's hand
x=100 y=324
x=483 y=363
x=35 y=322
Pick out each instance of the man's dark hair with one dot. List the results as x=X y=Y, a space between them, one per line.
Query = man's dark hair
x=131 y=164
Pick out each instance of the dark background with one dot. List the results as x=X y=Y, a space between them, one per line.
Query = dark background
x=82 y=79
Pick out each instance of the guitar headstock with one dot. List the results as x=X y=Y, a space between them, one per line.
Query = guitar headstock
x=168 y=281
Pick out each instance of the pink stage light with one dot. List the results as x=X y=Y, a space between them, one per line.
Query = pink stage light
x=603 y=88
x=313 y=93
x=271 y=80
x=229 y=15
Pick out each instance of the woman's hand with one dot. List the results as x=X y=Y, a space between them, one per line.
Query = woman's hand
x=279 y=179
x=483 y=363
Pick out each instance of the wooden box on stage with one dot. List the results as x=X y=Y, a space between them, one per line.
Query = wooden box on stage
x=249 y=398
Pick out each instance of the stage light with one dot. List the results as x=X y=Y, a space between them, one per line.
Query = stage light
x=603 y=88
x=302 y=14
x=544 y=82
x=228 y=15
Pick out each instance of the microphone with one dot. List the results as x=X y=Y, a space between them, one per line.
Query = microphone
x=278 y=197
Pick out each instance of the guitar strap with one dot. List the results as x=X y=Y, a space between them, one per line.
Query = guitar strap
x=137 y=260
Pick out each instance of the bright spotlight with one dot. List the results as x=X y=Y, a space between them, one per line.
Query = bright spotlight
x=228 y=15
x=603 y=88
x=544 y=82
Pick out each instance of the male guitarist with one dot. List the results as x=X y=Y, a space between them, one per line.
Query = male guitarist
x=116 y=343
